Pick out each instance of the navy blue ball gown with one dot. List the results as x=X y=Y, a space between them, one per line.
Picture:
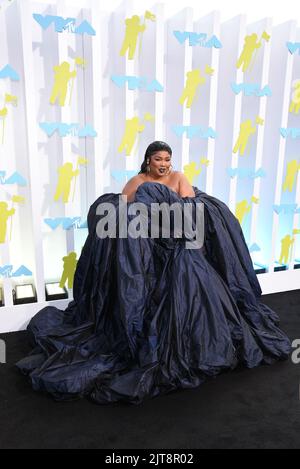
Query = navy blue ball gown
x=150 y=316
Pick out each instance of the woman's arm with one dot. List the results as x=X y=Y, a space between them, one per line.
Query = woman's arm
x=185 y=188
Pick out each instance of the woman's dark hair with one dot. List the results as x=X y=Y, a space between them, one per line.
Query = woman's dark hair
x=153 y=148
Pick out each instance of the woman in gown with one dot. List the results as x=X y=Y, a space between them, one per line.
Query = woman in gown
x=150 y=316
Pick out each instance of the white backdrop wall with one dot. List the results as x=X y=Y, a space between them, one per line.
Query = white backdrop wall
x=98 y=98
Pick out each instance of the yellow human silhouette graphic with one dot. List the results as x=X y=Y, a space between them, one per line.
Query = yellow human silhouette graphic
x=286 y=244
x=5 y=214
x=62 y=76
x=81 y=161
x=66 y=175
x=190 y=170
x=132 y=128
x=80 y=62
x=259 y=121
x=209 y=71
x=3 y=115
x=291 y=173
x=250 y=46
x=3 y=112
x=149 y=117
x=295 y=104
x=16 y=199
x=148 y=16
x=9 y=99
x=246 y=130
x=243 y=208
x=70 y=263
x=194 y=80
x=133 y=29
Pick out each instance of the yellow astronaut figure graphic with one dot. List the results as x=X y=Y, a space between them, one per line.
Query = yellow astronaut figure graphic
x=295 y=104
x=286 y=245
x=132 y=128
x=246 y=130
x=66 y=175
x=133 y=29
x=194 y=80
x=149 y=117
x=3 y=115
x=80 y=62
x=81 y=161
x=9 y=99
x=70 y=263
x=5 y=214
x=291 y=173
x=243 y=208
x=209 y=71
x=250 y=46
x=62 y=76
x=3 y=112
x=190 y=171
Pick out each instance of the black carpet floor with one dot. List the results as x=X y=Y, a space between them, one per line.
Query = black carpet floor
x=257 y=408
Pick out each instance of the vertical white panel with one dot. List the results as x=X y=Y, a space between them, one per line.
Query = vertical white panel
x=96 y=149
x=213 y=100
x=188 y=65
x=179 y=61
x=116 y=65
x=228 y=106
x=205 y=108
x=237 y=117
x=295 y=258
x=282 y=141
x=149 y=67
x=7 y=282
x=160 y=47
x=264 y=80
x=254 y=112
x=6 y=142
x=31 y=144
x=296 y=226
x=68 y=116
x=131 y=69
x=279 y=58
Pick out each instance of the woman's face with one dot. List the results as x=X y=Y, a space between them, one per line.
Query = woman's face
x=160 y=163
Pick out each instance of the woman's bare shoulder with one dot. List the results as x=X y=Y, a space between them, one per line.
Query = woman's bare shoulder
x=181 y=176
x=177 y=175
x=132 y=185
x=139 y=177
x=134 y=180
